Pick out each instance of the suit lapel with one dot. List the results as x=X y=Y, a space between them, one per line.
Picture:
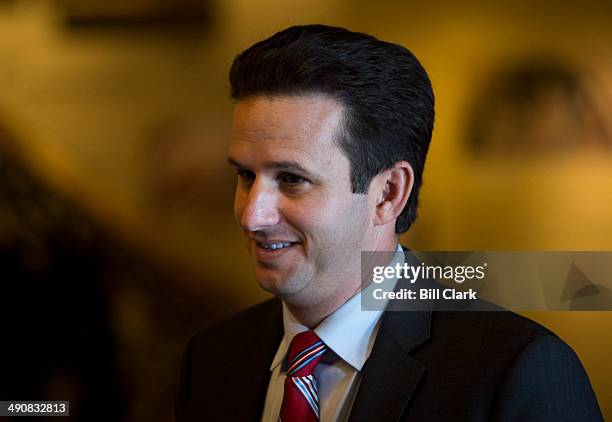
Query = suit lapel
x=391 y=374
x=252 y=389
x=260 y=363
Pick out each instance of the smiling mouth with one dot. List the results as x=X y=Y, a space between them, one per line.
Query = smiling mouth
x=273 y=246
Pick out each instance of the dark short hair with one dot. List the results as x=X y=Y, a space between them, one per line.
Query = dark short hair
x=386 y=95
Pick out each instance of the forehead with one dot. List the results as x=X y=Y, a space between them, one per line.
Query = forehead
x=307 y=124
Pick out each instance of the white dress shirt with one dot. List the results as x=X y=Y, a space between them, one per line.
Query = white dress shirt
x=350 y=333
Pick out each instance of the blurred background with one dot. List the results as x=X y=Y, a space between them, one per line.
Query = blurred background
x=117 y=236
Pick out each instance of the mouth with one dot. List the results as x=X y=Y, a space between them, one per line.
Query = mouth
x=273 y=246
x=273 y=249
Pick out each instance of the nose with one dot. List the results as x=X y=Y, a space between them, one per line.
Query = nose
x=257 y=207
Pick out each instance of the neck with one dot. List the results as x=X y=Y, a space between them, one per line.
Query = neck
x=312 y=315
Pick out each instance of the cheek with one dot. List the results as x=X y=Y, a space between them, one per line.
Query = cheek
x=313 y=219
x=355 y=218
x=305 y=217
x=331 y=218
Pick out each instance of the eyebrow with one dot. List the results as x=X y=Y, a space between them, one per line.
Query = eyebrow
x=276 y=165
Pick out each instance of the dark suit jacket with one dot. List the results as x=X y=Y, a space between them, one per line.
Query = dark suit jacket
x=424 y=366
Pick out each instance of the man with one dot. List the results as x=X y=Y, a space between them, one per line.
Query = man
x=329 y=138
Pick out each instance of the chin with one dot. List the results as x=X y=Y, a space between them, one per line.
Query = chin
x=280 y=285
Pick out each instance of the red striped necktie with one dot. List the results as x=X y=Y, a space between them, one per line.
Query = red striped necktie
x=301 y=396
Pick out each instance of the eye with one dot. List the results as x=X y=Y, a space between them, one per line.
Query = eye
x=246 y=176
x=291 y=179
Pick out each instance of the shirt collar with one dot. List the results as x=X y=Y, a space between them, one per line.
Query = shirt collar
x=349 y=331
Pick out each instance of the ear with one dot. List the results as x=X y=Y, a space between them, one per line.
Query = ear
x=393 y=189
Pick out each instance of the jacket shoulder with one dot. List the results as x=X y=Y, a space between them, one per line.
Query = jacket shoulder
x=214 y=364
x=244 y=324
x=498 y=364
x=546 y=381
x=489 y=328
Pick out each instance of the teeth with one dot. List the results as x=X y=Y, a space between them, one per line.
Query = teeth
x=272 y=246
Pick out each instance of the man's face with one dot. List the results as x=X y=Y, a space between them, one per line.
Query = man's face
x=304 y=227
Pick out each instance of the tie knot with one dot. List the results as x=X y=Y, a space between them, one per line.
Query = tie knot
x=305 y=352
